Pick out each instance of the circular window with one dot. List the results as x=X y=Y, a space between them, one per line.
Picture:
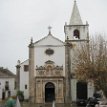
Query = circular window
x=49 y=51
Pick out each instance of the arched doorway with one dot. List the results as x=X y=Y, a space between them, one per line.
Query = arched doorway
x=76 y=33
x=49 y=92
x=81 y=90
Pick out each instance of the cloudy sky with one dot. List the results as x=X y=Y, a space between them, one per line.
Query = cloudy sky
x=22 y=19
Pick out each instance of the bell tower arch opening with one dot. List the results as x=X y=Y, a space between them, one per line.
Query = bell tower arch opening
x=76 y=33
x=49 y=92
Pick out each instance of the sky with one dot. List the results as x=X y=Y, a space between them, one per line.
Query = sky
x=22 y=19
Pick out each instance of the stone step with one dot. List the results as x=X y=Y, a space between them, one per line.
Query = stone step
x=48 y=105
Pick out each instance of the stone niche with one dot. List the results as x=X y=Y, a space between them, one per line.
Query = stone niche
x=53 y=87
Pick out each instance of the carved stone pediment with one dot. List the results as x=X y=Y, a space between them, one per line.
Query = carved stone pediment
x=58 y=67
x=49 y=69
x=49 y=62
x=40 y=68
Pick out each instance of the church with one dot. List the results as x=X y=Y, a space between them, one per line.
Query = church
x=48 y=74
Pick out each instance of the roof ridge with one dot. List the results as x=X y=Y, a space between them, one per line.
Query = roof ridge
x=48 y=36
x=6 y=71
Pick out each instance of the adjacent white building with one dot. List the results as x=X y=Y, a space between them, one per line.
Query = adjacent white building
x=7 y=84
x=24 y=78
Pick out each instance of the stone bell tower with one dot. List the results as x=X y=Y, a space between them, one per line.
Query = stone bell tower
x=76 y=33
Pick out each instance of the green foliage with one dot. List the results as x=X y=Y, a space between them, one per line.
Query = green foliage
x=20 y=95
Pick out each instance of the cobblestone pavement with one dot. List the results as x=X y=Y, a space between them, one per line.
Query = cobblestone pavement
x=2 y=105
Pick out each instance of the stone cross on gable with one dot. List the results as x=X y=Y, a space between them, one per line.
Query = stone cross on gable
x=49 y=29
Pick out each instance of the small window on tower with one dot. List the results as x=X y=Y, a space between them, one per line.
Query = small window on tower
x=25 y=86
x=26 y=68
x=76 y=34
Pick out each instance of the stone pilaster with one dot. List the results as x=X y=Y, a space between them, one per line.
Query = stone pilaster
x=31 y=73
x=18 y=75
x=67 y=74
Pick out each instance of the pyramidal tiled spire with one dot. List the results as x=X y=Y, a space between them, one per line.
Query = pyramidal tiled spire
x=75 y=17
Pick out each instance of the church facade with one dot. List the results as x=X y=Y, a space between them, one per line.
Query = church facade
x=48 y=74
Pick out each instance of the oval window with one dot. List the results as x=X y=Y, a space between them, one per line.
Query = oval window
x=49 y=51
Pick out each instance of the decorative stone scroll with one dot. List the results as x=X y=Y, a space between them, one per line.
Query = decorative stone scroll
x=49 y=69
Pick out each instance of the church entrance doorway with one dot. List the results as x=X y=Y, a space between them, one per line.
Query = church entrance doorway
x=49 y=92
x=81 y=90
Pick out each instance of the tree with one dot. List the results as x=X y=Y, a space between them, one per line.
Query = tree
x=20 y=95
x=91 y=63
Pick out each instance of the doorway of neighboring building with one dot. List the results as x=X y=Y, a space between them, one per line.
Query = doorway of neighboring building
x=3 y=95
x=49 y=92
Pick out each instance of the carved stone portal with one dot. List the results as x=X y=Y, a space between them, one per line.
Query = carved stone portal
x=49 y=89
x=49 y=83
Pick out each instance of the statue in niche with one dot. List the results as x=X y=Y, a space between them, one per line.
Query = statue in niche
x=49 y=70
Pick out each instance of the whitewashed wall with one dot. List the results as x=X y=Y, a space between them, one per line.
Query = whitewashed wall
x=73 y=89
x=24 y=79
x=90 y=89
x=59 y=52
x=11 y=85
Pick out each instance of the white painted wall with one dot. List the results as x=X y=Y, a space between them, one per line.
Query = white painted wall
x=24 y=79
x=59 y=52
x=73 y=89
x=90 y=89
x=11 y=85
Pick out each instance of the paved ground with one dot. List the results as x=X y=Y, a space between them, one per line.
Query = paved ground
x=2 y=104
x=26 y=106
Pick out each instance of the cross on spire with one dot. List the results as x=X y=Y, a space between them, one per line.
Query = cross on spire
x=49 y=29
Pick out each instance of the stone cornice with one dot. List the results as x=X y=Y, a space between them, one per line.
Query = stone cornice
x=31 y=45
x=18 y=66
x=75 y=25
x=52 y=77
x=79 y=40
